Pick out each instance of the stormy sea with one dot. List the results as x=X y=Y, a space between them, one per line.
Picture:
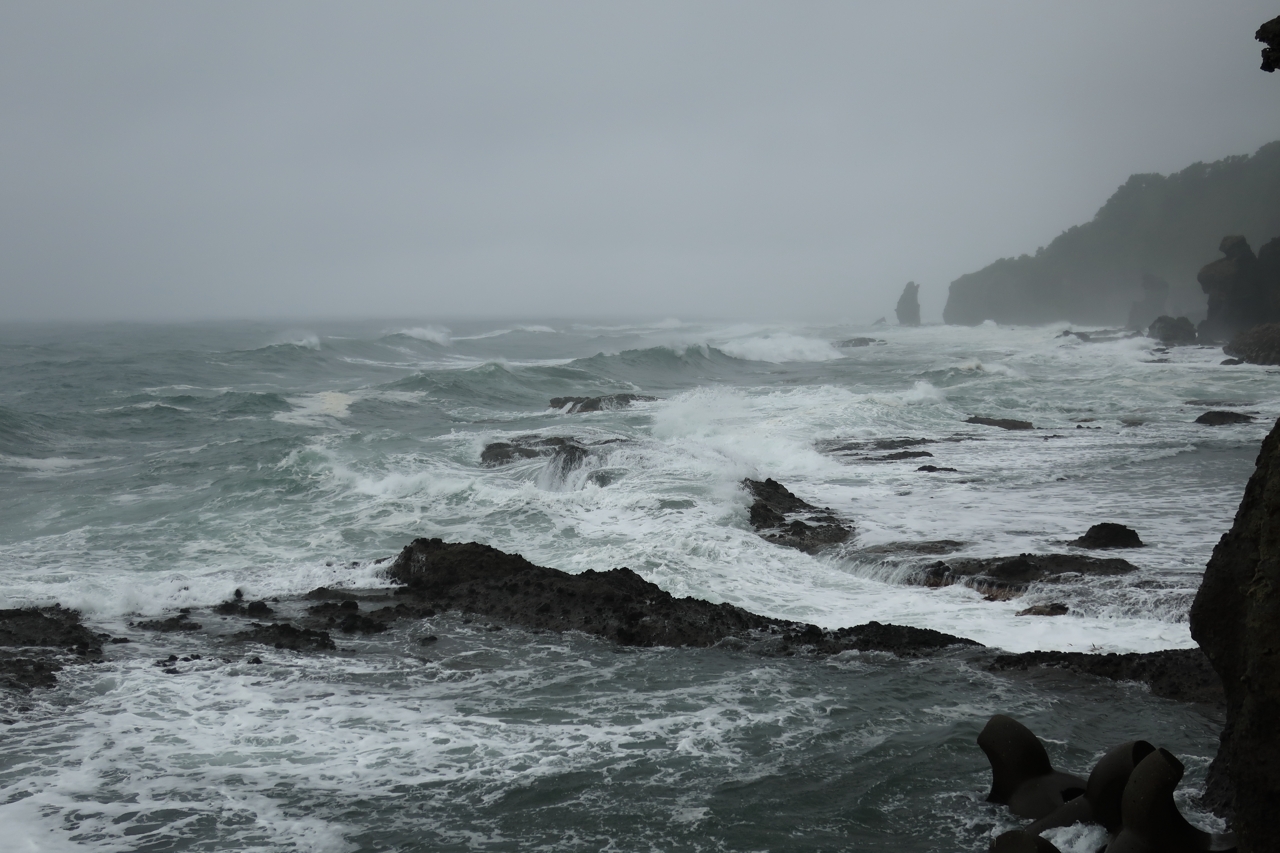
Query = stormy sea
x=147 y=473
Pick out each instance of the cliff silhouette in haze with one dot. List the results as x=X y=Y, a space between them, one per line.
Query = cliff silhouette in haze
x=1152 y=226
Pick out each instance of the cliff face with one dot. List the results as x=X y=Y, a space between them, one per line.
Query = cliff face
x=908 y=308
x=1156 y=225
x=1236 y=620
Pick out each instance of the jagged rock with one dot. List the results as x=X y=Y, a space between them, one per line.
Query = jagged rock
x=51 y=627
x=1003 y=423
x=859 y=342
x=1236 y=620
x=1109 y=535
x=282 y=635
x=1243 y=289
x=880 y=322
x=784 y=519
x=1154 y=302
x=604 y=403
x=37 y=629
x=620 y=605
x=1269 y=35
x=1008 y=577
x=1181 y=674
x=566 y=452
x=236 y=606
x=908 y=308
x=1257 y=345
x=1172 y=331
x=1224 y=418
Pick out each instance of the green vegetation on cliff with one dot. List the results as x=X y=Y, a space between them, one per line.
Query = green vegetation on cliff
x=1167 y=227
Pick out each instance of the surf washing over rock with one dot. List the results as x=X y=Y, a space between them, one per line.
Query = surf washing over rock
x=746 y=587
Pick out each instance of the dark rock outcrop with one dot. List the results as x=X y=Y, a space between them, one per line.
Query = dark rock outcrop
x=1008 y=577
x=1181 y=674
x=936 y=469
x=1236 y=620
x=1269 y=35
x=1108 y=534
x=237 y=606
x=1154 y=302
x=282 y=635
x=1257 y=345
x=784 y=519
x=603 y=403
x=1003 y=423
x=1219 y=418
x=48 y=636
x=568 y=453
x=908 y=307
x=181 y=622
x=1172 y=331
x=620 y=605
x=1243 y=289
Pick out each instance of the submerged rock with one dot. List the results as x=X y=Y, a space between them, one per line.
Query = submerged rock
x=1219 y=418
x=908 y=307
x=620 y=605
x=1003 y=423
x=1008 y=577
x=859 y=342
x=567 y=452
x=1109 y=535
x=1257 y=345
x=282 y=635
x=603 y=403
x=784 y=519
x=1236 y=620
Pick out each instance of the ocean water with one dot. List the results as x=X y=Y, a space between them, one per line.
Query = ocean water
x=148 y=468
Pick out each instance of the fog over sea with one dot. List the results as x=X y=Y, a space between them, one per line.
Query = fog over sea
x=145 y=469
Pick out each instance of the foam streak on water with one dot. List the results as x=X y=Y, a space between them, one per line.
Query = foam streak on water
x=145 y=469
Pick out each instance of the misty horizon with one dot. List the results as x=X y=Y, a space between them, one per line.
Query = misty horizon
x=307 y=163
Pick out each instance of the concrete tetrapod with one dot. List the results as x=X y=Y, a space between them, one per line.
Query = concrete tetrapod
x=1021 y=776
x=1150 y=820
x=1103 y=793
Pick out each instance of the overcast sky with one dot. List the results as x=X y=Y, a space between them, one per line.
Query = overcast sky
x=555 y=159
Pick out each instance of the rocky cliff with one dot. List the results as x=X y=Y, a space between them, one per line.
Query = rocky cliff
x=1163 y=226
x=1236 y=620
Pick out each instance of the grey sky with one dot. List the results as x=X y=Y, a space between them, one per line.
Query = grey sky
x=736 y=159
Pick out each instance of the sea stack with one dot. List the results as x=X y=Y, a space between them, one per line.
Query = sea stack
x=1236 y=620
x=908 y=309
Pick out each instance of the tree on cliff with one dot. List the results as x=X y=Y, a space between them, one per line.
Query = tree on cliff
x=1153 y=224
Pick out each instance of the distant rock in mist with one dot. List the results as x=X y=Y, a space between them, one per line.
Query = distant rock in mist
x=1243 y=289
x=908 y=308
x=1156 y=226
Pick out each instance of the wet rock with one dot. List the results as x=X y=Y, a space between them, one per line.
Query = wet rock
x=603 y=403
x=1003 y=423
x=933 y=546
x=1236 y=620
x=1224 y=418
x=934 y=469
x=784 y=519
x=237 y=606
x=282 y=635
x=908 y=307
x=859 y=342
x=1232 y=361
x=1109 y=535
x=1008 y=577
x=1172 y=331
x=567 y=451
x=181 y=622
x=25 y=673
x=619 y=605
x=1181 y=674
x=1054 y=609
x=1257 y=345
x=906 y=454
x=51 y=627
